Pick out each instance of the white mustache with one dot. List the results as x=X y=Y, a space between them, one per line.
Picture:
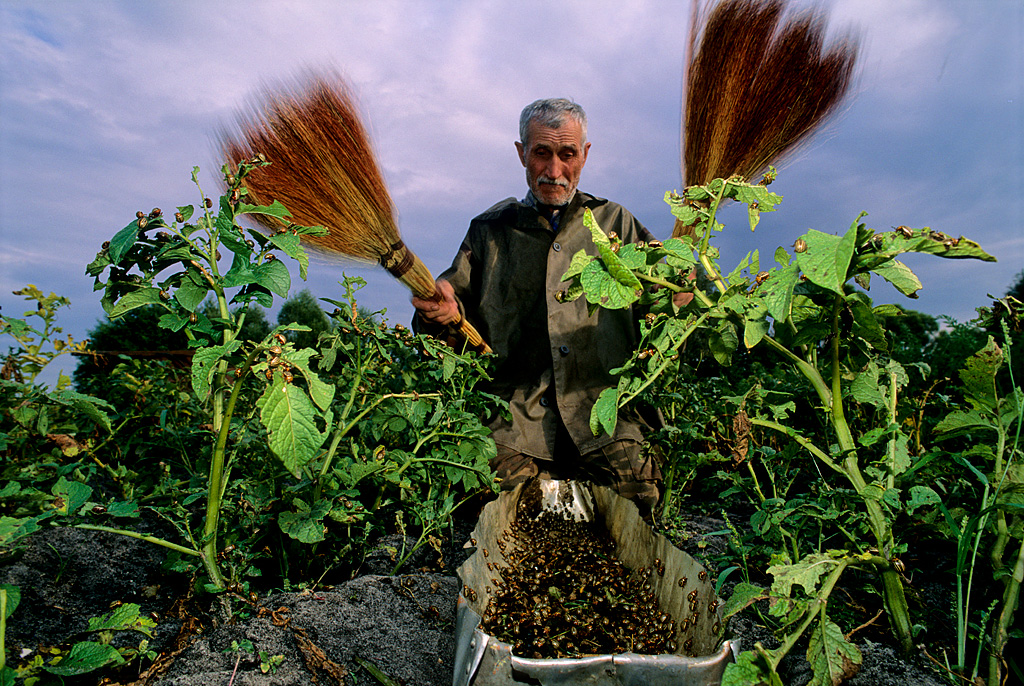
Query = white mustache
x=557 y=182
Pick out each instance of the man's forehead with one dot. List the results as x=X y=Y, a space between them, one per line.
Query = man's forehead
x=569 y=134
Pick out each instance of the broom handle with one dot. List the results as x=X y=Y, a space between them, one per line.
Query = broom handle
x=461 y=326
x=404 y=265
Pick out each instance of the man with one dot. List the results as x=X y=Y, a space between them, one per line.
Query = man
x=553 y=360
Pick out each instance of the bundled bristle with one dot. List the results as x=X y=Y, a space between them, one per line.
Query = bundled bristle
x=323 y=169
x=757 y=86
x=322 y=165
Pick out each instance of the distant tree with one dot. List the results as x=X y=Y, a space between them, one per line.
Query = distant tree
x=1017 y=288
x=136 y=330
x=256 y=326
x=303 y=308
x=911 y=334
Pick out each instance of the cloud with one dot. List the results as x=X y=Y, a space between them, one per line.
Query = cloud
x=105 y=107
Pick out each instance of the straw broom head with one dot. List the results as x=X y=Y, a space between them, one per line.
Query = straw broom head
x=323 y=169
x=757 y=86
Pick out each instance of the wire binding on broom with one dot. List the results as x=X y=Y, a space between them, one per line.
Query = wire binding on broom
x=757 y=85
x=323 y=169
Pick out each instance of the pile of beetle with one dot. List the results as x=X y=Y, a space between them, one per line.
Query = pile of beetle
x=564 y=594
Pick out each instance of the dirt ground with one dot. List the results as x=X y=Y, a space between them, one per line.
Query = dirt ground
x=402 y=626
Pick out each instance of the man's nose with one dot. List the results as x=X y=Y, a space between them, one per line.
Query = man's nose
x=554 y=168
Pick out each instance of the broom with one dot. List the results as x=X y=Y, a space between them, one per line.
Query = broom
x=322 y=168
x=756 y=87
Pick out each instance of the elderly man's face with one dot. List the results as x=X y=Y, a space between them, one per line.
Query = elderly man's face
x=554 y=160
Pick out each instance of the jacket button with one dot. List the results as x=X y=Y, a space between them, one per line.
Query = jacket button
x=556 y=246
x=564 y=349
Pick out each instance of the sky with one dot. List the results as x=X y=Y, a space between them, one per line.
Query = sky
x=106 y=106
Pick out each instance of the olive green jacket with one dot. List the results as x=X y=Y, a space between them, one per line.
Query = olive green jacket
x=552 y=356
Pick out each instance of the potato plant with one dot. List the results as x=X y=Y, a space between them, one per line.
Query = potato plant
x=812 y=310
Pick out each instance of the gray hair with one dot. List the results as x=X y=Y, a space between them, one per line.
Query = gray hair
x=552 y=113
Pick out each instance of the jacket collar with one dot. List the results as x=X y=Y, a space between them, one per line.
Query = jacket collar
x=529 y=217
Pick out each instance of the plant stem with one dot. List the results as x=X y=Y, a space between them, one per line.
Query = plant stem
x=666 y=360
x=806 y=368
x=3 y=628
x=705 y=261
x=891 y=478
x=216 y=486
x=141 y=537
x=1001 y=628
x=807 y=445
x=775 y=656
x=697 y=293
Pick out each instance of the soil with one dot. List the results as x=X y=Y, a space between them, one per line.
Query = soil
x=402 y=625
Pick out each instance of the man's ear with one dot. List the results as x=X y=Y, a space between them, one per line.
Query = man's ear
x=586 y=151
x=522 y=152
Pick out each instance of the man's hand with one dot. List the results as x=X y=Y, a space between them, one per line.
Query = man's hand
x=444 y=312
x=683 y=298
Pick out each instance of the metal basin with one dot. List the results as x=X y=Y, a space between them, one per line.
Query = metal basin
x=685 y=592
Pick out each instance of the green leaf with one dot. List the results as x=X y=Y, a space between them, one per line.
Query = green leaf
x=902 y=460
x=603 y=289
x=900 y=276
x=13 y=598
x=832 y=657
x=979 y=374
x=70 y=495
x=723 y=341
x=806 y=573
x=755 y=324
x=13 y=529
x=290 y=244
x=904 y=239
x=321 y=392
x=85 y=657
x=241 y=273
x=750 y=669
x=191 y=294
x=186 y=212
x=865 y=325
x=124 y=617
x=123 y=508
x=85 y=404
x=605 y=412
x=614 y=266
x=827 y=258
x=289 y=417
x=448 y=367
x=743 y=596
x=122 y=242
x=580 y=260
x=204 y=365
x=777 y=291
x=960 y=421
x=274 y=209
x=873 y=492
x=273 y=276
x=137 y=298
x=306 y=526
x=865 y=386
x=679 y=254
x=921 y=496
